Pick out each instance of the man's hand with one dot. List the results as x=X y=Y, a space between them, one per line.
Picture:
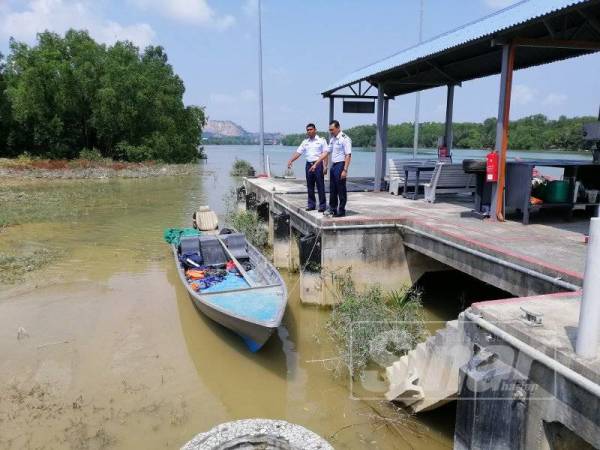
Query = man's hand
x=312 y=168
x=324 y=170
x=344 y=173
x=289 y=164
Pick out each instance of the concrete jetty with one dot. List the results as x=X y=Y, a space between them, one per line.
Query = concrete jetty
x=393 y=241
x=510 y=364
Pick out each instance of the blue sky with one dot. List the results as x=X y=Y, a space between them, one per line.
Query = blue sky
x=308 y=45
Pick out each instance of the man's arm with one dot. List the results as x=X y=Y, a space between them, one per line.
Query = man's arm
x=296 y=155
x=347 y=160
x=323 y=157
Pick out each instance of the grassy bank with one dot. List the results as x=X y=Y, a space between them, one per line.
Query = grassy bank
x=30 y=168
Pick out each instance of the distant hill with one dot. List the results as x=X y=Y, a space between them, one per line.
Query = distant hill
x=223 y=128
x=227 y=132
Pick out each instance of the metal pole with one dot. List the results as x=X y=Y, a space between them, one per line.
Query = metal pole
x=379 y=138
x=386 y=109
x=418 y=96
x=448 y=137
x=500 y=121
x=331 y=109
x=260 y=91
x=589 y=315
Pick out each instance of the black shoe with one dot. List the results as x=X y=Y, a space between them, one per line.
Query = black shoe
x=321 y=210
x=339 y=214
x=309 y=209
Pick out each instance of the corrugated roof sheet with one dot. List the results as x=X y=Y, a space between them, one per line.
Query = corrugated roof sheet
x=519 y=13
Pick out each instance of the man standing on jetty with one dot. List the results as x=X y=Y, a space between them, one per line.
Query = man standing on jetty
x=315 y=149
x=340 y=147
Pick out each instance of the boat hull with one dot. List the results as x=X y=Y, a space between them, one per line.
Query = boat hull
x=254 y=333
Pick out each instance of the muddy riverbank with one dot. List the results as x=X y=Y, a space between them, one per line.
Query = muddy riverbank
x=102 y=348
x=19 y=170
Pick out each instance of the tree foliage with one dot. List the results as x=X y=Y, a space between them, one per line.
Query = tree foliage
x=70 y=93
x=535 y=132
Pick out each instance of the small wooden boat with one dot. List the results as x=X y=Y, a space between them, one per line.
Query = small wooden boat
x=250 y=302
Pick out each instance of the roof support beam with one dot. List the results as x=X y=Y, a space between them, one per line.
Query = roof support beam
x=506 y=77
x=441 y=71
x=448 y=136
x=557 y=43
x=591 y=20
x=549 y=28
x=379 y=140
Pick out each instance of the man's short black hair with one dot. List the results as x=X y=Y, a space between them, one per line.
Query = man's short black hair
x=311 y=125
x=335 y=123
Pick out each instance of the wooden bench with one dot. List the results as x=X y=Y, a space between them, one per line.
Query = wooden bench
x=396 y=174
x=449 y=179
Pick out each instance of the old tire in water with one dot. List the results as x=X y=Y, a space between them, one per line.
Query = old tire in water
x=260 y=434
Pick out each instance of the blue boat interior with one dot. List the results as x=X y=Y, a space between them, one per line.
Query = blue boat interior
x=258 y=304
x=261 y=304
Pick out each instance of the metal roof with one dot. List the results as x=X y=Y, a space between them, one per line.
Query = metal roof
x=471 y=43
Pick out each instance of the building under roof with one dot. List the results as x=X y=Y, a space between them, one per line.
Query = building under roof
x=529 y=33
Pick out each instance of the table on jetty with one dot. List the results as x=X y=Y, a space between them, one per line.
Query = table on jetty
x=417 y=168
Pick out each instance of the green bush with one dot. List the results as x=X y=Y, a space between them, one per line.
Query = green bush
x=242 y=168
x=92 y=154
x=249 y=223
x=372 y=325
x=134 y=153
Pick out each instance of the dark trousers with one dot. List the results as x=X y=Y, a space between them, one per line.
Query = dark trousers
x=317 y=178
x=337 y=188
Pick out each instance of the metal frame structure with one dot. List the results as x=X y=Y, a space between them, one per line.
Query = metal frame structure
x=529 y=33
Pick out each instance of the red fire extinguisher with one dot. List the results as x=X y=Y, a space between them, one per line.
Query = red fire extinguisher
x=443 y=152
x=491 y=168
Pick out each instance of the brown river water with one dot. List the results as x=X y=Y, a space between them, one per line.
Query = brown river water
x=103 y=348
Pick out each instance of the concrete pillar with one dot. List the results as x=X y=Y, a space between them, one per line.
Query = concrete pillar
x=500 y=131
x=374 y=256
x=379 y=139
x=279 y=237
x=294 y=252
x=311 y=282
x=588 y=333
x=331 y=109
x=386 y=109
x=448 y=135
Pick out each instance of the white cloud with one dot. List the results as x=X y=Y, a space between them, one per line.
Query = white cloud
x=250 y=7
x=497 y=4
x=522 y=94
x=554 y=99
x=196 y=12
x=59 y=15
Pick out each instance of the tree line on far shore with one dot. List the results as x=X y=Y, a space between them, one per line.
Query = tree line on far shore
x=535 y=132
x=70 y=95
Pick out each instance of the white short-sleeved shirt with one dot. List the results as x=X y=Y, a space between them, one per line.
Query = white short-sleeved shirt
x=313 y=148
x=340 y=146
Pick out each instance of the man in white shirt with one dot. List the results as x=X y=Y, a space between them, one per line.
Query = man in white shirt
x=340 y=147
x=314 y=148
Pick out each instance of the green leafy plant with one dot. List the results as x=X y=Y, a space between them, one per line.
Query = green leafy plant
x=242 y=168
x=371 y=325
